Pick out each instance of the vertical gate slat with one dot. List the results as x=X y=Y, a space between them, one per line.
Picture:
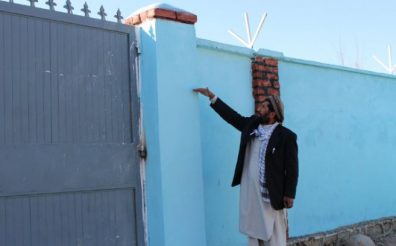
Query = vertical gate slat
x=34 y=26
x=24 y=60
x=15 y=45
x=2 y=85
x=30 y=77
x=40 y=85
x=2 y=224
x=54 y=51
x=107 y=86
x=124 y=42
x=102 y=106
x=47 y=102
x=74 y=87
x=8 y=81
x=35 y=232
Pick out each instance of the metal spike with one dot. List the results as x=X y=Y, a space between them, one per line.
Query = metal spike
x=118 y=16
x=51 y=3
x=102 y=13
x=86 y=10
x=32 y=2
x=69 y=7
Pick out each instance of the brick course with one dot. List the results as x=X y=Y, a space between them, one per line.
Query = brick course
x=161 y=13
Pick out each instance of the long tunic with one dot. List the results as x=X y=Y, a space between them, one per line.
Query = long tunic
x=257 y=217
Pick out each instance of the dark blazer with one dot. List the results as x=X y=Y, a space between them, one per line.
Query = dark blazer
x=281 y=160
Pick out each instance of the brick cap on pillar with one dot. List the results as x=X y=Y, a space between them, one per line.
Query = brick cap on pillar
x=161 y=11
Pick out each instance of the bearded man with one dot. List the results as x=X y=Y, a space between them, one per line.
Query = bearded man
x=266 y=169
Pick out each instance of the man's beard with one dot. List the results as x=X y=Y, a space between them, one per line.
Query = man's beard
x=264 y=119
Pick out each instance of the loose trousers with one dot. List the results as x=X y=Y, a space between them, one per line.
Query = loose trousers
x=278 y=237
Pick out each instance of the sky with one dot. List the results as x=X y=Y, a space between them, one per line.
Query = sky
x=339 y=32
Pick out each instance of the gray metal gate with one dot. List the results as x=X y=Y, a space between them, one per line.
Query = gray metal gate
x=69 y=169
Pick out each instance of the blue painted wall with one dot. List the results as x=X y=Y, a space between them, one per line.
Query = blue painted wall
x=346 y=130
x=228 y=75
x=344 y=118
x=346 y=123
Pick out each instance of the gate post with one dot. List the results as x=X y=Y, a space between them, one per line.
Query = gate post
x=174 y=192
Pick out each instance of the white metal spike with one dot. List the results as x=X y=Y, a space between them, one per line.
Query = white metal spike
x=381 y=63
x=247 y=25
x=249 y=44
x=390 y=57
x=390 y=68
x=259 y=28
x=238 y=38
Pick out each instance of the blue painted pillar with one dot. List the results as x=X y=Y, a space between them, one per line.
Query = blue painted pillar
x=174 y=180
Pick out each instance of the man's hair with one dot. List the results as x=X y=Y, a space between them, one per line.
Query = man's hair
x=270 y=106
x=275 y=105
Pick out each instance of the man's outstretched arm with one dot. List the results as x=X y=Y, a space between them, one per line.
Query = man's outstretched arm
x=225 y=111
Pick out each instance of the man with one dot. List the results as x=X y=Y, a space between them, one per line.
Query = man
x=266 y=169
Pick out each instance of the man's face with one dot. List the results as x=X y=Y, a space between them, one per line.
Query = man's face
x=264 y=113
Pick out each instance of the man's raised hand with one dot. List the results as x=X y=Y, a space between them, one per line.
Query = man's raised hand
x=205 y=91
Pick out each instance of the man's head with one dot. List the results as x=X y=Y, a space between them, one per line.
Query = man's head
x=271 y=110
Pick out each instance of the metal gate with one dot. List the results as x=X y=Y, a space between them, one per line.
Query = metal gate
x=69 y=169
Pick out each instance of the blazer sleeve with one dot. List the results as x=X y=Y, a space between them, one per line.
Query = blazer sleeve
x=229 y=115
x=291 y=165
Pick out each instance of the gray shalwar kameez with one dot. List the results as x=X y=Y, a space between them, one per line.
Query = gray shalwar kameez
x=258 y=220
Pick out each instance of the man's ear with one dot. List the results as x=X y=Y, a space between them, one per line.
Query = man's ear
x=273 y=115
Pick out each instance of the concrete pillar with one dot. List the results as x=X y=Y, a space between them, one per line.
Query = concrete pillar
x=175 y=205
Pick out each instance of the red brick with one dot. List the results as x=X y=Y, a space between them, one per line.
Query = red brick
x=271 y=62
x=182 y=16
x=257 y=74
x=271 y=69
x=261 y=83
x=259 y=59
x=134 y=20
x=259 y=91
x=272 y=91
x=161 y=13
x=257 y=67
x=143 y=16
x=260 y=98
x=272 y=76
x=276 y=84
x=186 y=17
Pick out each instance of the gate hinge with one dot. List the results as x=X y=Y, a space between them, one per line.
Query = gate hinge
x=142 y=151
x=137 y=48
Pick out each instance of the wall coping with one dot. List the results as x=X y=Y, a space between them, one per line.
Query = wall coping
x=160 y=11
x=242 y=51
x=336 y=67
x=238 y=50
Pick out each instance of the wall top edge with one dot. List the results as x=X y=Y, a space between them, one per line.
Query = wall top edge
x=242 y=51
x=335 y=67
x=233 y=49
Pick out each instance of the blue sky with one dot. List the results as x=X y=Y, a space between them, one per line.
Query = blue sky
x=333 y=32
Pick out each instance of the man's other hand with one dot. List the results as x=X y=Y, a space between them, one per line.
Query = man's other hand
x=288 y=202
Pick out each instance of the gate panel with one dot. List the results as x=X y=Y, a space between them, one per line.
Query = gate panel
x=69 y=169
x=63 y=83
x=75 y=218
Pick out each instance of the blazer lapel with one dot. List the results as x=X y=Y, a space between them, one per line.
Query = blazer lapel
x=273 y=140
x=247 y=133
